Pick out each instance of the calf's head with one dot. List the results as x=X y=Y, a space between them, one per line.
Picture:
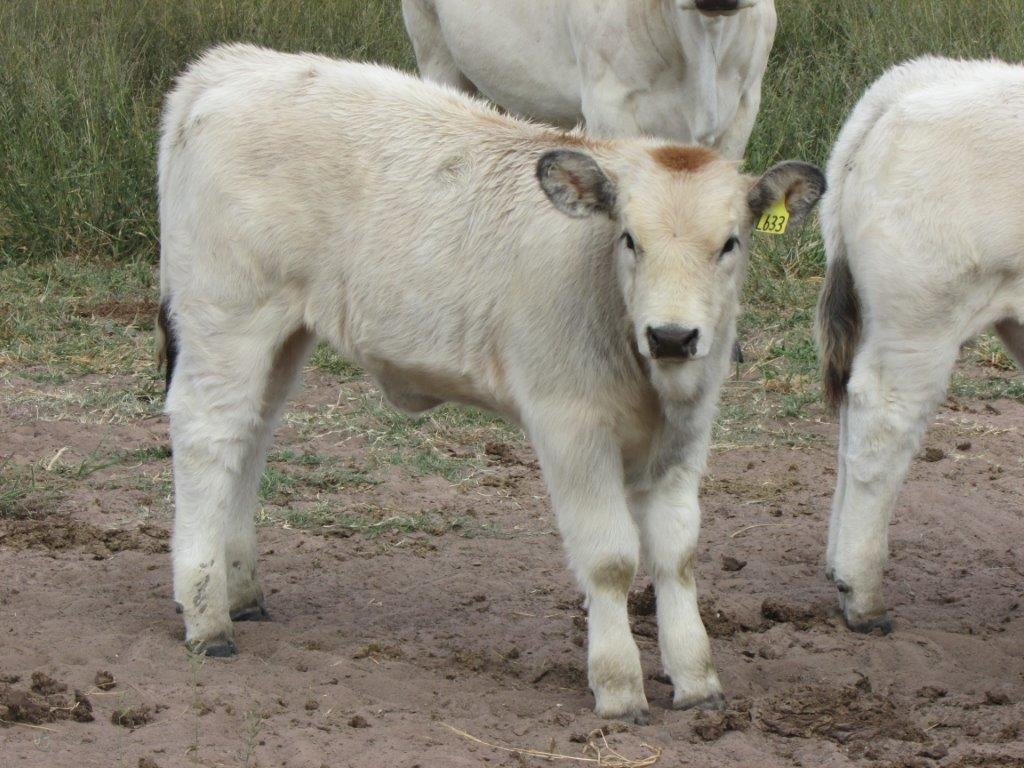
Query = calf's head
x=682 y=218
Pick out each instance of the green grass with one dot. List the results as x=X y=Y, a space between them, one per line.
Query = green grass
x=81 y=85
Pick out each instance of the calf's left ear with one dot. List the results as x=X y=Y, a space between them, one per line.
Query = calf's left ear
x=575 y=183
x=799 y=184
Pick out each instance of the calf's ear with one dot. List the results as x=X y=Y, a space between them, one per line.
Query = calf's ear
x=575 y=183
x=799 y=184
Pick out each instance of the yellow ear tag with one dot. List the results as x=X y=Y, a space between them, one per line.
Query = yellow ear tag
x=774 y=220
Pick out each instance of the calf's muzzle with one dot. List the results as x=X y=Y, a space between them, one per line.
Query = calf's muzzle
x=672 y=342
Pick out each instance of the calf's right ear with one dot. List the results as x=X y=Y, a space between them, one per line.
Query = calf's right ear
x=575 y=183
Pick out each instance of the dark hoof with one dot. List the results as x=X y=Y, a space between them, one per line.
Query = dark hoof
x=713 y=702
x=877 y=625
x=256 y=612
x=737 y=353
x=218 y=648
x=638 y=717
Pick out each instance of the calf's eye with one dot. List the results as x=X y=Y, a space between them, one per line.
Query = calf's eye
x=729 y=246
x=627 y=238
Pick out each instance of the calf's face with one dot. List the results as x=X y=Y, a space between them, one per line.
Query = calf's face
x=683 y=217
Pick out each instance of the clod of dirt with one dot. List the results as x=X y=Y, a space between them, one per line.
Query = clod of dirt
x=312 y=705
x=642 y=602
x=996 y=698
x=850 y=713
x=963 y=445
x=732 y=565
x=45 y=685
x=933 y=454
x=358 y=721
x=57 y=533
x=148 y=762
x=502 y=452
x=377 y=651
x=34 y=708
x=104 y=681
x=566 y=675
x=799 y=616
x=132 y=717
x=711 y=726
x=10 y=679
x=717 y=622
x=931 y=692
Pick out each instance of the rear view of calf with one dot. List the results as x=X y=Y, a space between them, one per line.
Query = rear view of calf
x=924 y=231
x=585 y=290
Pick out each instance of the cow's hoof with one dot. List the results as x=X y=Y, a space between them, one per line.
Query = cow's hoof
x=869 y=624
x=218 y=647
x=712 y=702
x=257 y=612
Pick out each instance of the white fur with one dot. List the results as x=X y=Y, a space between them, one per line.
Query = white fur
x=926 y=202
x=628 y=68
x=403 y=222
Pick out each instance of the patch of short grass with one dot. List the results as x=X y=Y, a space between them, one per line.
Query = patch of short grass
x=376 y=521
x=27 y=492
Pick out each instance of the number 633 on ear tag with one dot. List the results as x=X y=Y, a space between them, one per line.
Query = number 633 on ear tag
x=774 y=220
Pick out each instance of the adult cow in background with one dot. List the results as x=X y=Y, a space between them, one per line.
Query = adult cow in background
x=685 y=70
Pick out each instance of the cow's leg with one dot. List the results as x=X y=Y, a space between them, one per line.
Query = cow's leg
x=670 y=521
x=245 y=598
x=216 y=403
x=583 y=469
x=1012 y=334
x=838 y=495
x=433 y=57
x=894 y=388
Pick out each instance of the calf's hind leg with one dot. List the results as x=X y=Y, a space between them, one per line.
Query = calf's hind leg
x=245 y=598
x=217 y=407
x=895 y=385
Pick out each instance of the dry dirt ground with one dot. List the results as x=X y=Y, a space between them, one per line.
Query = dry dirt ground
x=422 y=614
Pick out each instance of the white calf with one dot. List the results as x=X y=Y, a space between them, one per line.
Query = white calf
x=586 y=290
x=923 y=229
x=685 y=70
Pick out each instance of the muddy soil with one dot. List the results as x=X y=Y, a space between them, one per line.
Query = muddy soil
x=425 y=647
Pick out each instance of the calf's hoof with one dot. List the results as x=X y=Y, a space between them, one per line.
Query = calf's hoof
x=868 y=624
x=863 y=621
x=255 y=612
x=217 y=647
x=710 y=702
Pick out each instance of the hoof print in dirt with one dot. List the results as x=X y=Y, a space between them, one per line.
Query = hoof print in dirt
x=218 y=648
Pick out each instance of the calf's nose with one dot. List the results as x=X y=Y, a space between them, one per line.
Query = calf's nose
x=669 y=342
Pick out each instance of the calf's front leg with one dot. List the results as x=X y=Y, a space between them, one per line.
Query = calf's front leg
x=585 y=478
x=670 y=518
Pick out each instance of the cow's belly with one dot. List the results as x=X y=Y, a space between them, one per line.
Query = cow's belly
x=518 y=54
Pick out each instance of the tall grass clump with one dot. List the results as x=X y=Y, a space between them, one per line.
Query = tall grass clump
x=81 y=85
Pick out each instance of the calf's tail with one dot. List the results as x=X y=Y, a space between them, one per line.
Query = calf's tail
x=838 y=327
x=166 y=342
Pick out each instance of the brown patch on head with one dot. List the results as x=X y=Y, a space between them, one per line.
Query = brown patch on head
x=683 y=159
